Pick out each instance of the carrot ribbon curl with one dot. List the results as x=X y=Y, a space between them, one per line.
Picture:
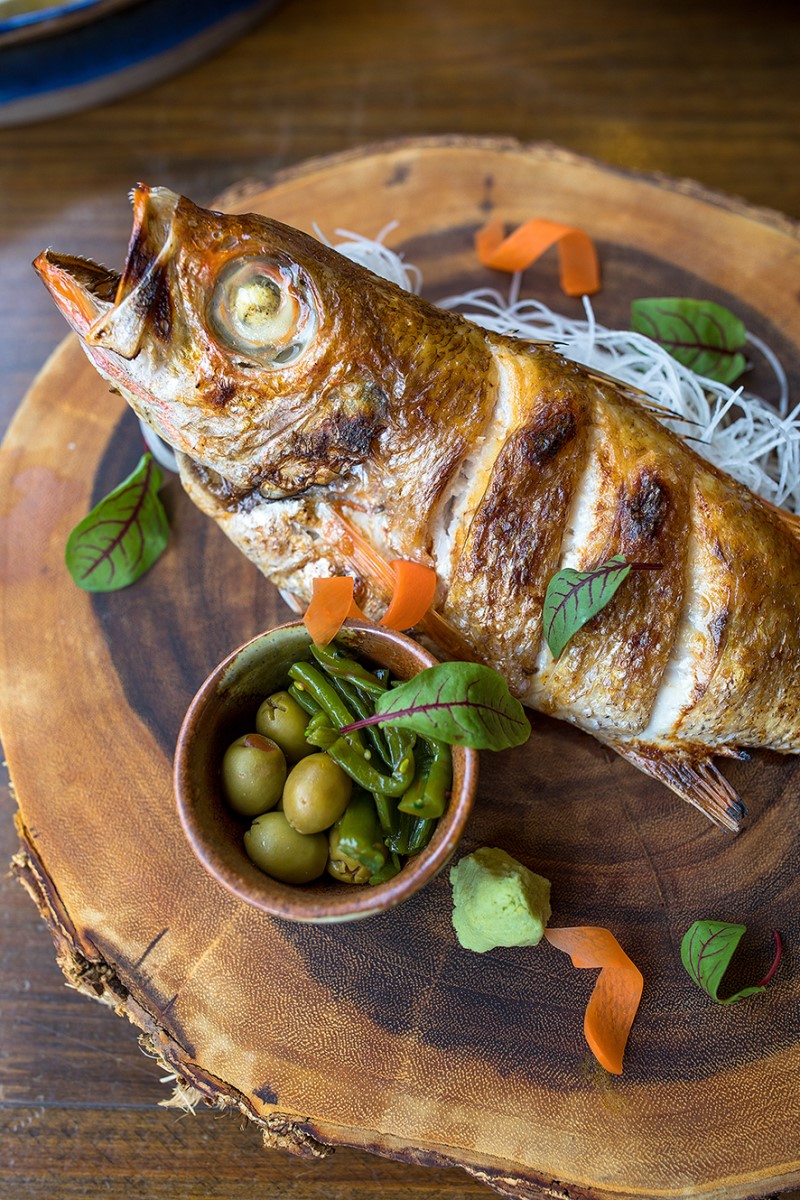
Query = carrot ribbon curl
x=578 y=265
x=415 y=587
x=332 y=601
x=364 y=560
x=613 y=1003
x=331 y=604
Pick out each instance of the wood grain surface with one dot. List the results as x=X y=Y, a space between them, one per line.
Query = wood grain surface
x=476 y=1062
x=683 y=90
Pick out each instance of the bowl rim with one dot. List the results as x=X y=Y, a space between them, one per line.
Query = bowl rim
x=295 y=902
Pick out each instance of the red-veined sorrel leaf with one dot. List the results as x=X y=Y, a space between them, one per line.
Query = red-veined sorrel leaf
x=698 y=333
x=461 y=703
x=574 y=597
x=122 y=536
x=706 y=951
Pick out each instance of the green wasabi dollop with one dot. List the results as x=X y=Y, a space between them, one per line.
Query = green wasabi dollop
x=498 y=901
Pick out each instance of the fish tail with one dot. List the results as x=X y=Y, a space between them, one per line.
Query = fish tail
x=695 y=779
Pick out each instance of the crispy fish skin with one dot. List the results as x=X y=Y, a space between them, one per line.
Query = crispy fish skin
x=695 y=659
x=496 y=461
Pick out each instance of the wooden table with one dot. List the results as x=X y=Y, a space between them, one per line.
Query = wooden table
x=686 y=89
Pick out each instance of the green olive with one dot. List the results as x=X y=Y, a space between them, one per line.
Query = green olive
x=253 y=774
x=341 y=866
x=284 y=853
x=316 y=793
x=281 y=718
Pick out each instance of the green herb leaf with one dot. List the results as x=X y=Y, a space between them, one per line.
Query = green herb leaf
x=706 y=951
x=700 y=334
x=461 y=703
x=122 y=536
x=574 y=597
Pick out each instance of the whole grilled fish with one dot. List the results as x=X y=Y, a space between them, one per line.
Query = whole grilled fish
x=330 y=421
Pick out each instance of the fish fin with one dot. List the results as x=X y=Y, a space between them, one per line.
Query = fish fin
x=639 y=396
x=695 y=780
x=790 y=521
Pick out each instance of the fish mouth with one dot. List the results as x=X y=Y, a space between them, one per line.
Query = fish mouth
x=82 y=289
x=109 y=310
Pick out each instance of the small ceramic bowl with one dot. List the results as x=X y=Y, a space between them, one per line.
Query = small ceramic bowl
x=225 y=707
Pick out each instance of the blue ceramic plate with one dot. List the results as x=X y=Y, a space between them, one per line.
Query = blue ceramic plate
x=21 y=20
x=101 y=49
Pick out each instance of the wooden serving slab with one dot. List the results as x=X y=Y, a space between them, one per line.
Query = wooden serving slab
x=384 y=1033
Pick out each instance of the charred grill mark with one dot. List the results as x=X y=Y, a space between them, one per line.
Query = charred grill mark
x=356 y=434
x=644 y=509
x=223 y=391
x=717 y=628
x=351 y=420
x=139 y=257
x=719 y=553
x=497 y=522
x=339 y=438
x=153 y=302
x=160 y=310
x=149 y=304
x=505 y=526
x=316 y=456
x=552 y=430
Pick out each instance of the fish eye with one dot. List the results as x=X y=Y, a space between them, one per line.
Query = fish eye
x=263 y=310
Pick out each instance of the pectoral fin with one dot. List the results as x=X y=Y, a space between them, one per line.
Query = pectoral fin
x=695 y=780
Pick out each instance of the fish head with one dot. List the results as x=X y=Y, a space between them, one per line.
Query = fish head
x=247 y=345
